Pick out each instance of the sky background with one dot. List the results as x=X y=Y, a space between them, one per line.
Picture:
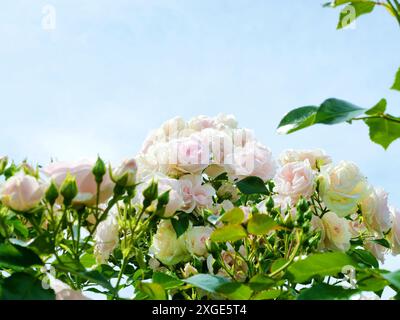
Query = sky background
x=112 y=70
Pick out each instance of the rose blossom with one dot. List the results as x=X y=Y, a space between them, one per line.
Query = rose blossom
x=395 y=232
x=166 y=247
x=21 y=192
x=375 y=211
x=196 y=239
x=316 y=157
x=226 y=121
x=106 y=237
x=342 y=187
x=126 y=171
x=201 y=122
x=195 y=193
x=64 y=291
x=336 y=231
x=294 y=180
x=85 y=180
x=253 y=159
x=377 y=250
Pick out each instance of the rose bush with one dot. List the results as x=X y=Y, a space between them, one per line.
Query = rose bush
x=204 y=211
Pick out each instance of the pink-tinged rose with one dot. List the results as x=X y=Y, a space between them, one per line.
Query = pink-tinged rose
x=186 y=155
x=316 y=157
x=294 y=180
x=106 y=237
x=201 y=122
x=173 y=127
x=342 y=187
x=85 y=180
x=226 y=121
x=126 y=173
x=195 y=194
x=196 y=239
x=217 y=142
x=22 y=192
x=253 y=159
x=375 y=210
x=395 y=232
x=337 y=232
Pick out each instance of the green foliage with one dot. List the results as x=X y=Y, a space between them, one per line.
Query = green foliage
x=180 y=225
x=17 y=257
x=234 y=216
x=23 y=286
x=230 y=232
x=323 y=291
x=252 y=185
x=261 y=224
x=396 y=84
x=354 y=10
x=320 y=264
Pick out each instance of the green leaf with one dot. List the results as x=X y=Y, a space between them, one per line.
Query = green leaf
x=354 y=10
x=383 y=131
x=17 y=257
x=261 y=224
x=252 y=185
x=379 y=108
x=23 y=286
x=323 y=291
x=167 y=281
x=383 y=242
x=88 y=260
x=320 y=264
x=154 y=291
x=42 y=245
x=206 y=282
x=234 y=216
x=365 y=257
x=230 y=232
x=261 y=282
x=371 y=283
x=396 y=84
x=235 y=291
x=333 y=111
x=393 y=278
x=181 y=225
x=297 y=119
x=267 y=295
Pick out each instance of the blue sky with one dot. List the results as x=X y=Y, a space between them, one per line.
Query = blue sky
x=113 y=70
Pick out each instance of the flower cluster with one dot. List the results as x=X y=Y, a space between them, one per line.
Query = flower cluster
x=202 y=200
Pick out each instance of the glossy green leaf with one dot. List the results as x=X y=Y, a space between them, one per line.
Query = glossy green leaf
x=261 y=224
x=379 y=108
x=180 y=225
x=333 y=111
x=354 y=10
x=252 y=185
x=320 y=264
x=229 y=232
x=323 y=291
x=235 y=291
x=14 y=256
x=297 y=119
x=383 y=131
x=154 y=291
x=23 y=286
x=234 y=216
x=206 y=282
x=166 y=281
x=365 y=257
x=261 y=282
x=396 y=84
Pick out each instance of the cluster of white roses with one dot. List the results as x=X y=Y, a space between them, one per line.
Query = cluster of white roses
x=182 y=155
x=199 y=164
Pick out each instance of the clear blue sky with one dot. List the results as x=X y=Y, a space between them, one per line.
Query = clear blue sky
x=112 y=70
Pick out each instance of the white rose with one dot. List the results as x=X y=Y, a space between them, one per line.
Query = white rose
x=226 y=120
x=337 y=232
x=189 y=271
x=395 y=232
x=375 y=211
x=173 y=127
x=295 y=179
x=126 y=173
x=196 y=194
x=64 y=291
x=21 y=192
x=316 y=157
x=166 y=247
x=342 y=187
x=196 y=239
x=377 y=250
x=201 y=122
x=106 y=237
x=253 y=159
